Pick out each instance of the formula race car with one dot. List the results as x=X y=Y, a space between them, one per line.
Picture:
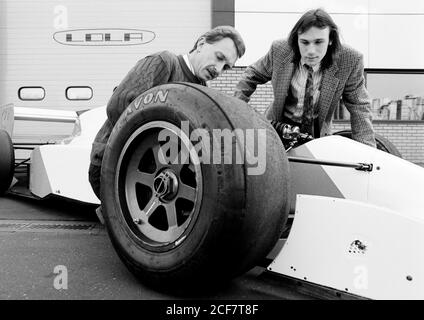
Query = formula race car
x=197 y=188
x=46 y=168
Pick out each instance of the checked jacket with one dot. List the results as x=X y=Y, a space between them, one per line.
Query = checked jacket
x=343 y=80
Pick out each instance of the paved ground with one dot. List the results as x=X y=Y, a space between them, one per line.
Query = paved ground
x=38 y=236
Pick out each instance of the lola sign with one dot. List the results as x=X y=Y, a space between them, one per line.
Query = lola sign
x=104 y=37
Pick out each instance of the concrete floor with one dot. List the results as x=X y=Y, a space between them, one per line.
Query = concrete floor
x=36 y=239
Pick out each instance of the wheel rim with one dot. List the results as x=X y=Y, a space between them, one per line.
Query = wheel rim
x=160 y=194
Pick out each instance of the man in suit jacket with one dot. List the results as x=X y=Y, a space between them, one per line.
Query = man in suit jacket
x=313 y=54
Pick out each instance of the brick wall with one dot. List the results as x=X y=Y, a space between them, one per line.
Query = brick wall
x=407 y=136
x=227 y=83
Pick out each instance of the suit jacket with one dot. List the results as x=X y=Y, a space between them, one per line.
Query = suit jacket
x=344 y=79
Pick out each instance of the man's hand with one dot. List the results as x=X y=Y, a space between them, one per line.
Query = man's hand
x=290 y=135
x=284 y=130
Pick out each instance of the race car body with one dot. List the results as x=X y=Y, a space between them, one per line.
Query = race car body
x=58 y=168
x=62 y=169
x=357 y=231
x=6 y=118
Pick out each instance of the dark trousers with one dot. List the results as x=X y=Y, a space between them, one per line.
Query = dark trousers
x=94 y=178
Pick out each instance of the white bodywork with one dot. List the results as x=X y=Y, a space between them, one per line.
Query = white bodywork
x=6 y=118
x=62 y=169
x=44 y=115
x=368 y=242
x=33 y=126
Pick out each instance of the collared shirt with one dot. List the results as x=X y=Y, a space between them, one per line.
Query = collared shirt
x=188 y=63
x=294 y=101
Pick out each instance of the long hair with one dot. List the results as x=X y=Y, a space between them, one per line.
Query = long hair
x=320 y=19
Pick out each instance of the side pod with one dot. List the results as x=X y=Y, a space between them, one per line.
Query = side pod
x=354 y=247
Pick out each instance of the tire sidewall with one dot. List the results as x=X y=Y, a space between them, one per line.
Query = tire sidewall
x=201 y=234
x=7 y=161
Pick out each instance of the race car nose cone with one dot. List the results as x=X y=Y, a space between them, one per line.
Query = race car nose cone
x=165 y=185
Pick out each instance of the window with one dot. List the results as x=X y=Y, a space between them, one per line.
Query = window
x=396 y=95
x=31 y=93
x=79 y=93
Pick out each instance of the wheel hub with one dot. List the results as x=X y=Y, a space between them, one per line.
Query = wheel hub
x=165 y=185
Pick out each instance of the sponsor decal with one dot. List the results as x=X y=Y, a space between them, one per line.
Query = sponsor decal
x=104 y=37
x=146 y=99
x=151 y=97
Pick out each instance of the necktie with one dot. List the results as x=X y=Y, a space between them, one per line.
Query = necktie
x=308 y=105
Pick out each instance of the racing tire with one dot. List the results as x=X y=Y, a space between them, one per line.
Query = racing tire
x=212 y=221
x=7 y=161
x=382 y=143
